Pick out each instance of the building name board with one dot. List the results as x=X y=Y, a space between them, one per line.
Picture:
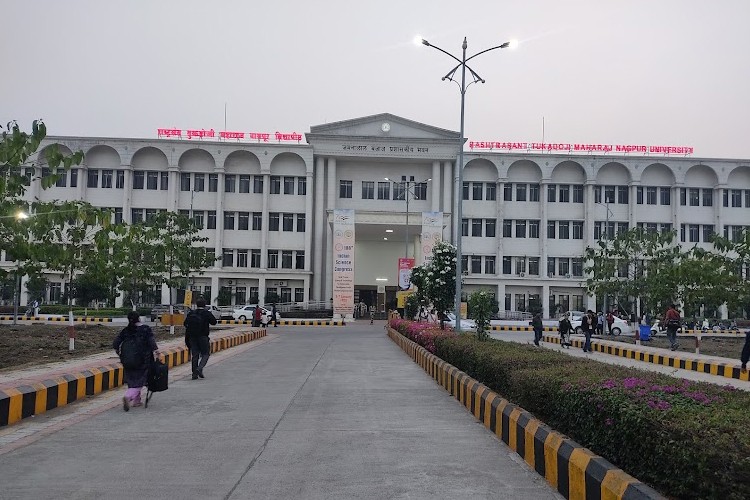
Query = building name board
x=579 y=148
x=225 y=134
x=385 y=149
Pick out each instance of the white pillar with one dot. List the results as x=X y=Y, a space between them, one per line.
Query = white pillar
x=319 y=224
x=127 y=195
x=215 y=289
x=331 y=194
x=264 y=228
x=435 y=201
x=545 y=301
x=308 y=222
x=219 y=231
x=590 y=216
x=448 y=188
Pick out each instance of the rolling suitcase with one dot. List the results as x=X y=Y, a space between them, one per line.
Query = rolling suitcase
x=158 y=379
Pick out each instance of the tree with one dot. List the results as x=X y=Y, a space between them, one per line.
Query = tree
x=128 y=251
x=411 y=306
x=482 y=307
x=88 y=287
x=436 y=281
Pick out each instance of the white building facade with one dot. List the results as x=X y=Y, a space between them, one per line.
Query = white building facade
x=267 y=208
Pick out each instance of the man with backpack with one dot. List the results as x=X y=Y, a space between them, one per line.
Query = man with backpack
x=672 y=319
x=196 y=336
x=565 y=328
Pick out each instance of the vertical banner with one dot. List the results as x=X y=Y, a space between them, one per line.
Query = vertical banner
x=432 y=233
x=404 y=272
x=343 y=263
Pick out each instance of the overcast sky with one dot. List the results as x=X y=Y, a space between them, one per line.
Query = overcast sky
x=650 y=72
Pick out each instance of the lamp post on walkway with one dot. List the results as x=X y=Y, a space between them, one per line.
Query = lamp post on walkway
x=408 y=184
x=459 y=168
x=17 y=280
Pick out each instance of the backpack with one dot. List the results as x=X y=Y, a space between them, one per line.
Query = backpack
x=132 y=350
x=193 y=323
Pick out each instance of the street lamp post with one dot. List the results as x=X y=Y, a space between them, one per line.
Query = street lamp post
x=459 y=168
x=17 y=280
x=407 y=185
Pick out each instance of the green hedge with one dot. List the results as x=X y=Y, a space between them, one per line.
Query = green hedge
x=685 y=439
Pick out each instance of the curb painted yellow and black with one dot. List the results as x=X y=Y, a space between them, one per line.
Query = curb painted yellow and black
x=725 y=370
x=76 y=319
x=288 y=322
x=33 y=398
x=513 y=328
x=570 y=468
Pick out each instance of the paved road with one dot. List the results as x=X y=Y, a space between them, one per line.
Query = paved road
x=307 y=413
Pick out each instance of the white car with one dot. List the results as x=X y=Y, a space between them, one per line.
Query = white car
x=618 y=326
x=247 y=313
x=466 y=324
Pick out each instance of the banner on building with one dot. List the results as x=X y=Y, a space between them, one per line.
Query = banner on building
x=404 y=272
x=432 y=233
x=343 y=263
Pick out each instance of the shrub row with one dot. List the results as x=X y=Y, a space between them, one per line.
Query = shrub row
x=685 y=439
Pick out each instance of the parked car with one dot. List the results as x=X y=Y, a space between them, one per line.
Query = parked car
x=618 y=326
x=221 y=312
x=160 y=309
x=466 y=324
x=248 y=313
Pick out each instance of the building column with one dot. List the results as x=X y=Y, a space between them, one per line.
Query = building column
x=676 y=208
x=308 y=222
x=590 y=216
x=306 y=288
x=219 y=231
x=331 y=206
x=215 y=289
x=501 y=296
x=435 y=201
x=173 y=192
x=318 y=224
x=543 y=243
x=262 y=290
x=499 y=215
x=447 y=190
x=265 y=226
x=633 y=204
x=718 y=202
x=127 y=197
x=545 y=301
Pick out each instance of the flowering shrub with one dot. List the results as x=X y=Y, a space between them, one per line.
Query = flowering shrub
x=423 y=334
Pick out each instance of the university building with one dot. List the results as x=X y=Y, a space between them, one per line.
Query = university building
x=266 y=206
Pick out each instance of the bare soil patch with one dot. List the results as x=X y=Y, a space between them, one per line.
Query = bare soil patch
x=725 y=347
x=28 y=345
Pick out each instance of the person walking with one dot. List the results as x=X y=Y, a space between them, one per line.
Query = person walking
x=672 y=320
x=588 y=325
x=610 y=322
x=136 y=346
x=257 y=317
x=273 y=315
x=536 y=323
x=745 y=356
x=564 y=328
x=196 y=325
x=600 y=323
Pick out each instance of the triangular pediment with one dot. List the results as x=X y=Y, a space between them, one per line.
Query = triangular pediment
x=383 y=125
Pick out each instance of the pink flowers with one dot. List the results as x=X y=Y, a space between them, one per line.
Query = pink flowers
x=660 y=397
x=423 y=334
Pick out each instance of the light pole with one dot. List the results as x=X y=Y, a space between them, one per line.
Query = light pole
x=17 y=280
x=460 y=167
x=407 y=190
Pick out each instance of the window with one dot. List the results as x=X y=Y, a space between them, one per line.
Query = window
x=228 y=220
x=243 y=221
x=622 y=195
x=520 y=265
x=708 y=232
x=273 y=259
x=598 y=230
x=184 y=182
x=213 y=183
x=118 y=215
x=152 y=180
x=384 y=190
x=273 y=221
x=345 y=189
x=276 y=185
x=563 y=229
x=244 y=183
x=577 y=229
x=368 y=190
x=534 y=266
x=650 y=195
x=288 y=185
x=211 y=256
x=464 y=227
x=489 y=228
x=120 y=180
x=736 y=198
x=666 y=228
x=507 y=228
x=551 y=266
x=609 y=194
x=199 y=182
x=508 y=192
x=694 y=233
x=55 y=292
x=489 y=264
x=597 y=194
x=73 y=177
x=564 y=193
x=694 y=197
x=682 y=232
x=286 y=259
x=299 y=294
x=708 y=197
x=476 y=227
x=92 y=179
x=198 y=218
x=241 y=258
x=683 y=196
x=164 y=181
x=476 y=190
x=520 y=229
x=230 y=181
x=107 y=178
x=399 y=191
x=725 y=197
x=551 y=229
x=508 y=298
x=551 y=192
x=136 y=215
x=476 y=264
x=622 y=227
x=301 y=186
x=420 y=191
x=255 y=258
x=287 y=222
x=257 y=221
x=490 y=192
x=506 y=265
x=665 y=196
x=639 y=195
x=521 y=192
x=577 y=193
x=465 y=191
x=240 y=295
x=577 y=266
x=257 y=184
x=227 y=258
x=747 y=198
x=533 y=192
x=300 y=223
x=563 y=266
x=211 y=220
x=299 y=260
x=533 y=229
x=465 y=264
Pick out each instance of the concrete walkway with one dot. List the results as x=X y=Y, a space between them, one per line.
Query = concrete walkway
x=305 y=413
